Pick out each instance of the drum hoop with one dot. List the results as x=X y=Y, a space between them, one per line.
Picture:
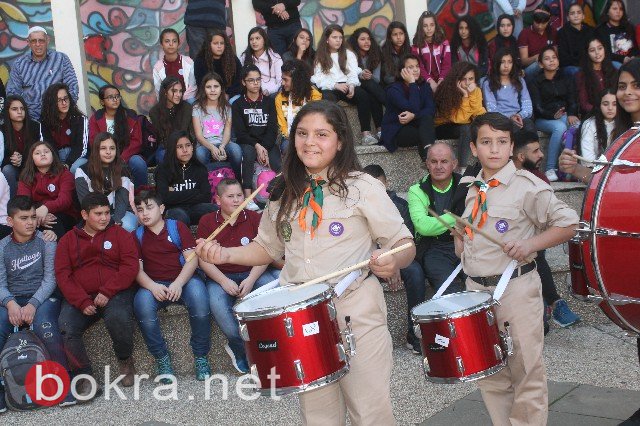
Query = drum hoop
x=318 y=383
x=272 y=312
x=594 y=246
x=420 y=319
x=470 y=378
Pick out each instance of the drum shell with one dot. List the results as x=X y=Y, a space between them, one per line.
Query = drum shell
x=578 y=287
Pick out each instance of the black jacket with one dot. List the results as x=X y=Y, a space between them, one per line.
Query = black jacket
x=572 y=44
x=272 y=20
x=79 y=145
x=548 y=96
x=200 y=70
x=403 y=207
x=192 y=186
x=255 y=122
x=606 y=32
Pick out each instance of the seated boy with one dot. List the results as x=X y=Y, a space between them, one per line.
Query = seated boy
x=27 y=284
x=96 y=266
x=226 y=283
x=166 y=278
x=518 y=208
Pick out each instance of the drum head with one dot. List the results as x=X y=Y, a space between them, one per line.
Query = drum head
x=451 y=304
x=280 y=298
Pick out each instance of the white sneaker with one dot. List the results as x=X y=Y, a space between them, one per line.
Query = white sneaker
x=253 y=206
x=551 y=175
x=369 y=140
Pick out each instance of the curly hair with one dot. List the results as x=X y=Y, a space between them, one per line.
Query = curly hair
x=374 y=55
x=494 y=73
x=228 y=57
x=50 y=117
x=30 y=170
x=323 y=55
x=591 y=79
x=448 y=97
x=475 y=34
x=202 y=99
x=300 y=77
x=388 y=51
x=420 y=38
x=166 y=119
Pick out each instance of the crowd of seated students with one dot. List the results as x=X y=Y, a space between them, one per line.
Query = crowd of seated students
x=81 y=172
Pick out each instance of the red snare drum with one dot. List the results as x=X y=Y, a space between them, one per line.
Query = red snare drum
x=578 y=285
x=459 y=337
x=609 y=237
x=294 y=334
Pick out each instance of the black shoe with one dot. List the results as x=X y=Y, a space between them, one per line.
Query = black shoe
x=413 y=343
x=634 y=420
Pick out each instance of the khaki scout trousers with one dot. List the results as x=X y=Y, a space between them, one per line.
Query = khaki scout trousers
x=364 y=392
x=517 y=394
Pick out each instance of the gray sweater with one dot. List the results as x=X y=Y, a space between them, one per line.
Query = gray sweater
x=27 y=270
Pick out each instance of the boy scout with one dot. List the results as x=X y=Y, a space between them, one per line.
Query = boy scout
x=521 y=210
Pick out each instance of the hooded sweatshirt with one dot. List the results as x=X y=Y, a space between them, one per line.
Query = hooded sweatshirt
x=54 y=191
x=191 y=187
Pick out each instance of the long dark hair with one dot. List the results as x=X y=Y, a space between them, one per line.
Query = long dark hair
x=171 y=163
x=300 y=81
x=500 y=40
x=167 y=117
x=420 y=39
x=633 y=68
x=27 y=137
x=50 y=117
x=591 y=81
x=310 y=54
x=624 y=22
x=96 y=170
x=475 y=34
x=120 y=123
x=374 y=55
x=268 y=48
x=292 y=183
x=494 y=73
x=601 y=129
x=402 y=63
x=30 y=170
x=388 y=51
x=448 y=97
x=323 y=56
x=228 y=58
x=223 y=103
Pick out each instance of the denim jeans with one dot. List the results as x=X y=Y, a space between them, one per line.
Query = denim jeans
x=190 y=215
x=221 y=305
x=194 y=297
x=118 y=320
x=413 y=278
x=139 y=170
x=11 y=173
x=282 y=37
x=284 y=144
x=234 y=155
x=555 y=128
x=438 y=261
x=45 y=326
x=531 y=70
x=570 y=71
x=63 y=153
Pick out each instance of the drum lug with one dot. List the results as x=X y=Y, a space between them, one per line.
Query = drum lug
x=460 y=365
x=288 y=326
x=507 y=341
x=417 y=331
x=254 y=370
x=584 y=231
x=491 y=318
x=331 y=308
x=498 y=351
x=349 y=338
x=342 y=355
x=425 y=365
x=299 y=370
x=244 y=332
x=452 y=330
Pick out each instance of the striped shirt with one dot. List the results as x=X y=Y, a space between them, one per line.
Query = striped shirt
x=30 y=79
x=206 y=13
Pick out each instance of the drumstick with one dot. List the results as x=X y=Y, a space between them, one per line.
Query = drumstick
x=235 y=213
x=348 y=269
x=584 y=160
x=475 y=229
x=441 y=220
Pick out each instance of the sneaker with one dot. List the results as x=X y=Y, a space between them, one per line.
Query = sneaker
x=164 y=366
x=203 y=371
x=253 y=206
x=551 y=175
x=379 y=135
x=84 y=388
x=68 y=400
x=239 y=363
x=413 y=343
x=369 y=139
x=562 y=315
x=3 y=404
x=128 y=369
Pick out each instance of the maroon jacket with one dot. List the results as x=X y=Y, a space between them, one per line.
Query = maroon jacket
x=55 y=192
x=98 y=123
x=106 y=263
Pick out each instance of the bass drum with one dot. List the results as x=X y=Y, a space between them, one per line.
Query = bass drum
x=609 y=235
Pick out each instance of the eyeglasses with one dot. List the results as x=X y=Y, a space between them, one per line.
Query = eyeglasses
x=64 y=100
x=252 y=80
x=113 y=98
x=37 y=41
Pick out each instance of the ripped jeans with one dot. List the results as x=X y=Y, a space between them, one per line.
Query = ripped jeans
x=45 y=325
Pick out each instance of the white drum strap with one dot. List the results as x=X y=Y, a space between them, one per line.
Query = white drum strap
x=504 y=280
x=445 y=285
x=267 y=286
x=346 y=282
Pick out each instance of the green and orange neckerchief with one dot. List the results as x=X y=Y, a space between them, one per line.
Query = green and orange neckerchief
x=312 y=198
x=480 y=204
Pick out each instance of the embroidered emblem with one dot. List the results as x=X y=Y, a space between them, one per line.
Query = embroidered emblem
x=502 y=226
x=286 y=231
x=336 y=229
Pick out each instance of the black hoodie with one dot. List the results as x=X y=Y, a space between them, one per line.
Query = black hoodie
x=572 y=44
x=191 y=187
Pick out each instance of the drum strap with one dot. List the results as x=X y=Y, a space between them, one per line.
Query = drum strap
x=504 y=280
x=445 y=285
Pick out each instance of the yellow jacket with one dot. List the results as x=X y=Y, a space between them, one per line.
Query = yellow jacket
x=471 y=106
x=282 y=109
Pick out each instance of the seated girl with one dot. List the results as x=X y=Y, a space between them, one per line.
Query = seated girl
x=64 y=126
x=218 y=55
x=574 y=34
x=302 y=49
x=408 y=119
x=504 y=39
x=260 y=53
x=46 y=181
x=395 y=47
x=468 y=44
x=106 y=172
x=532 y=40
x=172 y=64
x=596 y=131
x=617 y=33
x=597 y=74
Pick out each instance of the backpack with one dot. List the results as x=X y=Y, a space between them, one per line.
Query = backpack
x=262 y=175
x=216 y=175
x=21 y=352
x=149 y=139
x=172 y=229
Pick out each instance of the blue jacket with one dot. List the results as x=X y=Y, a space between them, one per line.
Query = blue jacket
x=417 y=99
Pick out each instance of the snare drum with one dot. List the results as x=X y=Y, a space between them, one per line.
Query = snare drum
x=459 y=337
x=294 y=334
x=577 y=283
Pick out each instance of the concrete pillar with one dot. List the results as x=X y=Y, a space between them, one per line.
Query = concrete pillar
x=244 y=18
x=67 y=28
x=412 y=11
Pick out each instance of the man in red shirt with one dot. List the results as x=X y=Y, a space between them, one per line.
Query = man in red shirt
x=165 y=278
x=226 y=283
x=96 y=265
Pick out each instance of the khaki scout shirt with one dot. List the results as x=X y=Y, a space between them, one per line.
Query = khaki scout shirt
x=350 y=231
x=519 y=208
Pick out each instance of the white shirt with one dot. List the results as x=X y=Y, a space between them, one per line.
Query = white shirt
x=589 y=141
x=328 y=81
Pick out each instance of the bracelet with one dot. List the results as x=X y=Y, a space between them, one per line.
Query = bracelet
x=585 y=179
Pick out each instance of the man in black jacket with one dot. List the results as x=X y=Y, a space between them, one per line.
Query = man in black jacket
x=282 y=19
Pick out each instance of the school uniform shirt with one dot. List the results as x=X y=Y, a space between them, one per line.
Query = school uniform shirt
x=255 y=121
x=506 y=99
x=470 y=107
x=200 y=69
x=619 y=40
x=22 y=146
x=73 y=133
x=572 y=44
x=520 y=207
x=536 y=41
x=53 y=191
x=581 y=86
x=328 y=81
x=191 y=187
x=270 y=75
x=159 y=255
x=286 y=109
x=182 y=68
x=106 y=263
x=98 y=123
x=435 y=60
x=239 y=234
x=211 y=122
x=350 y=230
